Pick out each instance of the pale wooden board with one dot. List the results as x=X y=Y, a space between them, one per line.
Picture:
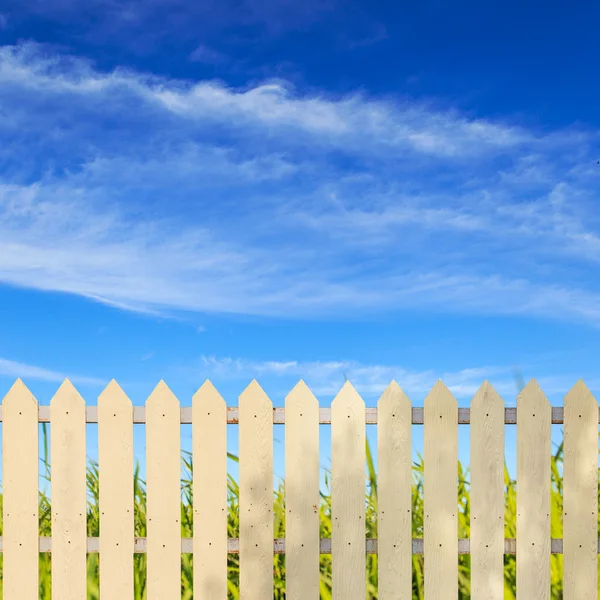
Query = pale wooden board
x=487 y=495
x=256 y=494
x=440 y=527
x=163 y=468
x=394 y=495
x=20 y=489
x=302 y=494
x=69 y=502
x=580 y=495
x=533 y=494
x=348 y=463
x=115 y=462
x=209 y=447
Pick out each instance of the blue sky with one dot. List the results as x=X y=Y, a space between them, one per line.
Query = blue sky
x=282 y=190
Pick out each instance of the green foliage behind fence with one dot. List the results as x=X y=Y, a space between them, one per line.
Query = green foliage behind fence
x=325 y=514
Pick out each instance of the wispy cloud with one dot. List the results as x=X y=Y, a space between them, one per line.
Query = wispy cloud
x=352 y=122
x=14 y=369
x=326 y=378
x=139 y=22
x=205 y=54
x=268 y=201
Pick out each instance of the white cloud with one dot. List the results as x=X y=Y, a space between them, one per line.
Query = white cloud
x=157 y=195
x=156 y=266
x=326 y=378
x=353 y=122
x=205 y=54
x=14 y=369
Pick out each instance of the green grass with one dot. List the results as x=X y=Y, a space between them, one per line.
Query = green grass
x=325 y=518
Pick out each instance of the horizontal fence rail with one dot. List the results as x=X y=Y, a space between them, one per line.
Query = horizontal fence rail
x=139 y=415
x=233 y=545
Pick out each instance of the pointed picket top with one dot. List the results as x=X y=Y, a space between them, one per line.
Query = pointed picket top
x=67 y=396
x=18 y=393
x=253 y=386
x=486 y=396
x=301 y=393
x=581 y=392
x=114 y=402
x=440 y=393
x=254 y=394
x=162 y=395
x=113 y=392
x=393 y=396
x=207 y=393
x=532 y=396
x=347 y=396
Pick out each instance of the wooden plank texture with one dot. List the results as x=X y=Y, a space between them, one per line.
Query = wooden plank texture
x=69 y=501
x=580 y=493
x=163 y=467
x=348 y=463
x=256 y=494
x=440 y=527
x=487 y=495
x=394 y=495
x=115 y=463
x=209 y=449
x=302 y=494
x=20 y=491
x=533 y=494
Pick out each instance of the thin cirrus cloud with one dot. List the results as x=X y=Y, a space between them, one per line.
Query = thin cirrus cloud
x=13 y=369
x=157 y=195
x=351 y=120
x=205 y=54
x=325 y=378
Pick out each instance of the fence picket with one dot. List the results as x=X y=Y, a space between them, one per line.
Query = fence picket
x=163 y=466
x=580 y=493
x=256 y=494
x=394 y=494
x=302 y=494
x=533 y=494
x=209 y=443
x=487 y=495
x=440 y=523
x=348 y=461
x=20 y=494
x=69 y=489
x=115 y=463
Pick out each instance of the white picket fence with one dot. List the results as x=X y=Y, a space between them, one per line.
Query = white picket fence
x=394 y=416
